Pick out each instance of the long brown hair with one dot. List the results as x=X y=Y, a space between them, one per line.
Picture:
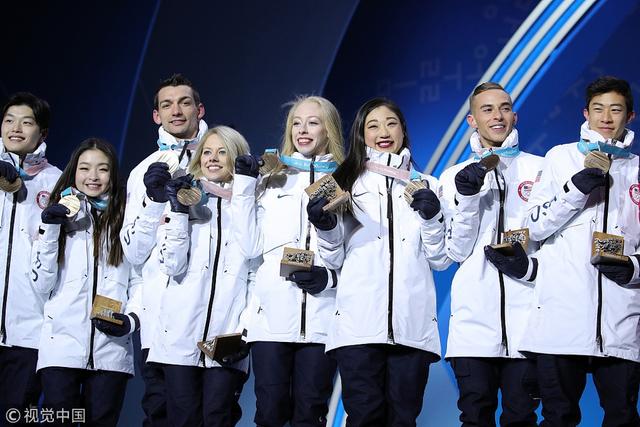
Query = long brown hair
x=106 y=226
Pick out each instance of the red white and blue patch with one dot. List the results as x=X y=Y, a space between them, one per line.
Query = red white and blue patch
x=524 y=190
x=42 y=199
x=634 y=193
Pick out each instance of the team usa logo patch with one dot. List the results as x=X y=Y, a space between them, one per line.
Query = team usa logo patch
x=524 y=190
x=634 y=193
x=42 y=199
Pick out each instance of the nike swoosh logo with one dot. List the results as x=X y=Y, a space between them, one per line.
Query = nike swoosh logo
x=280 y=196
x=360 y=194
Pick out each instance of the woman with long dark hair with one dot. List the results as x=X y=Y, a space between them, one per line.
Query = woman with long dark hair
x=384 y=330
x=85 y=362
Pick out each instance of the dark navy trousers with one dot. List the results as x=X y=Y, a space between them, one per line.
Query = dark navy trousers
x=382 y=385
x=293 y=383
x=99 y=393
x=563 y=379
x=19 y=382
x=203 y=396
x=480 y=378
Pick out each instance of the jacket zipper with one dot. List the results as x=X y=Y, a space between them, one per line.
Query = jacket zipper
x=94 y=291
x=214 y=277
x=604 y=230
x=307 y=245
x=3 y=327
x=503 y=314
x=390 y=337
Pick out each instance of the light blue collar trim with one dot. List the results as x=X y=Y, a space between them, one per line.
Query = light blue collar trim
x=178 y=145
x=587 y=146
x=305 y=165
x=500 y=151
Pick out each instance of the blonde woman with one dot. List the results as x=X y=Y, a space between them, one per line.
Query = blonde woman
x=287 y=324
x=206 y=290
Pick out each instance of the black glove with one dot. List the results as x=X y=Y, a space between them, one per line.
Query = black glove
x=8 y=171
x=113 y=329
x=54 y=214
x=469 y=179
x=322 y=219
x=514 y=266
x=247 y=165
x=232 y=358
x=588 y=179
x=155 y=179
x=426 y=203
x=621 y=273
x=172 y=188
x=314 y=281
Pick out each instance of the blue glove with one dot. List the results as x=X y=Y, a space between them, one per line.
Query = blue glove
x=621 y=273
x=247 y=165
x=514 y=266
x=469 y=179
x=320 y=218
x=113 y=329
x=155 y=179
x=172 y=188
x=8 y=171
x=54 y=214
x=242 y=352
x=426 y=203
x=588 y=179
x=314 y=281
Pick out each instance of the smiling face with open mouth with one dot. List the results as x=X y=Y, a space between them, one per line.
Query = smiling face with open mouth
x=93 y=174
x=492 y=116
x=308 y=131
x=214 y=161
x=20 y=132
x=383 y=130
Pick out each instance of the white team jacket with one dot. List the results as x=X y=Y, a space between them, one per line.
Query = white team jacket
x=279 y=310
x=68 y=338
x=386 y=292
x=564 y=318
x=476 y=325
x=140 y=233
x=208 y=289
x=21 y=315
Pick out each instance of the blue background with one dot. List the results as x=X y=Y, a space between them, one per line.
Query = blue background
x=98 y=64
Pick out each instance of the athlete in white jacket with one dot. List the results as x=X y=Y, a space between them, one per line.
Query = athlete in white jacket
x=489 y=309
x=25 y=122
x=384 y=330
x=207 y=291
x=85 y=362
x=585 y=317
x=288 y=318
x=178 y=111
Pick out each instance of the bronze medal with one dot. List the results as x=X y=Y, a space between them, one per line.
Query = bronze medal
x=490 y=162
x=597 y=159
x=189 y=196
x=10 y=187
x=72 y=203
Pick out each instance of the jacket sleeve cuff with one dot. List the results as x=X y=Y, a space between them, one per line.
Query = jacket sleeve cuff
x=49 y=232
x=635 y=260
x=572 y=196
x=135 y=322
x=532 y=270
x=244 y=185
x=152 y=209
x=467 y=203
